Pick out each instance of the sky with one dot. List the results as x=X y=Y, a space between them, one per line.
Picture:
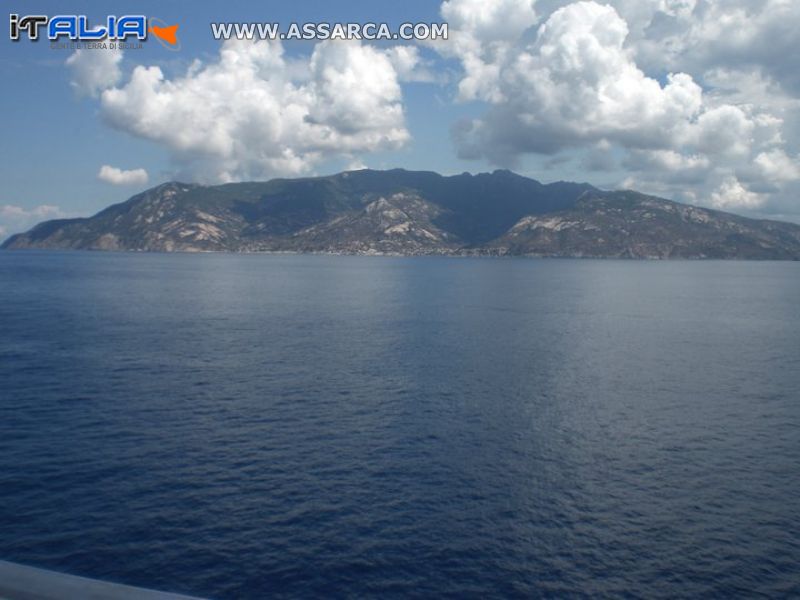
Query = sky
x=692 y=100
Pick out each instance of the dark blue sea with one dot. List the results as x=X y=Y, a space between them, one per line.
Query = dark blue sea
x=252 y=426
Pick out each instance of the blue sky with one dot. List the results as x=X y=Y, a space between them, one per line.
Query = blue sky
x=663 y=96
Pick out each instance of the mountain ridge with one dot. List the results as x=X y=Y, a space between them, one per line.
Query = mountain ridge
x=416 y=212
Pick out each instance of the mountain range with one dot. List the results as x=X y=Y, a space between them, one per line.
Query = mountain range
x=416 y=213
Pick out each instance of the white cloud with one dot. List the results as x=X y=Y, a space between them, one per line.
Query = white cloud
x=15 y=219
x=18 y=213
x=575 y=83
x=670 y=160
x=116 y=176
x=669 y=165
x=731 y=194
x=576 y=77
x=776 y=165
x=481 y=34
x=253 y=113
x=733 y=34
x=356 y=165
x=94 y=70
x=694 y=99
x=489 y=21
x=409 y=65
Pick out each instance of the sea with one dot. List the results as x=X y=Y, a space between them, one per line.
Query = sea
x=284 y=426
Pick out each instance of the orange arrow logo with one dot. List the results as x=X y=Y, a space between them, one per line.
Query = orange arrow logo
x=167 y=34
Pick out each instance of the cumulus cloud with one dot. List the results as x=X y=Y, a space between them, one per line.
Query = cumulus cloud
x=731 y=194
x=482 y=35
x=691 y=99
x=409 y=65
x=733 y=34
x=777 y=166
x=116 y=176
x=254 y=113
x=573 y=77
x=94 y=70
x=686 y=169
x=15 y=219
x=356 y=165
x=575 y=83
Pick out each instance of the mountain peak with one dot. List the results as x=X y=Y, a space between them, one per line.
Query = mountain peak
x=398 y=211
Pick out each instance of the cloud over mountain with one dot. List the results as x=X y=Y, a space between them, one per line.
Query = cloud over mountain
x=254 y=113
x=116 y=176
x=14 y=218
x=691 y=99
x=638 y=77
x=92 y=71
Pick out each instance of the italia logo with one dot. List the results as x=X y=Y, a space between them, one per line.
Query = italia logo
x=78 y=28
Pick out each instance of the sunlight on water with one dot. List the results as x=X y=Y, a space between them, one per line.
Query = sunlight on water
x=234 y=426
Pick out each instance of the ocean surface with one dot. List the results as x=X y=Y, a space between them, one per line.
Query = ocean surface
x=251 y=426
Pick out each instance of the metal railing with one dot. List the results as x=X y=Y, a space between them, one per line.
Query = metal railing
x=18 y=582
